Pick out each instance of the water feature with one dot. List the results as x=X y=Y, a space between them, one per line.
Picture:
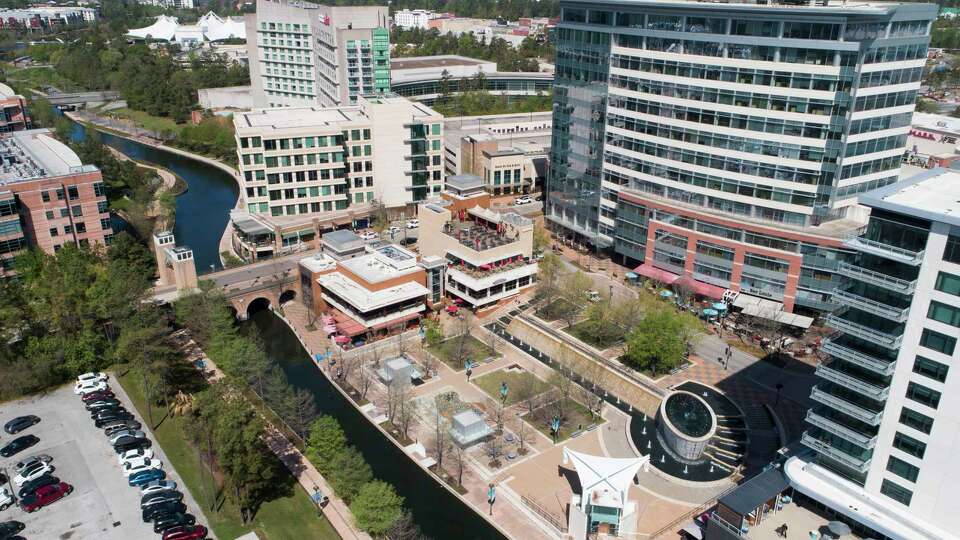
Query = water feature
x=202 y=211
x=438 y=513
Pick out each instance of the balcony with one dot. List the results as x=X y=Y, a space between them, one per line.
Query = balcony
x=846 y=407
x=866 y=361
x=871 y=306
x=877 y=278
x=478 y=238
x=825 y=448
x=840 y=430
x=864 y=332
x=836 y=376
x=887 y=251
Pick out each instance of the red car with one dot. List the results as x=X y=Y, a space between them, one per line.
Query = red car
x=44 y=496
x=186 y=532
x=97 y=396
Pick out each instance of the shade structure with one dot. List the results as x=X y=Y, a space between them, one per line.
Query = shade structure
x=700 y=288
x=719 y=306
x=838 y=528
x=652 y=272
x=452 y=309
x=329 y=329
x=602 y=478
x=342 y=339
x=709 y=312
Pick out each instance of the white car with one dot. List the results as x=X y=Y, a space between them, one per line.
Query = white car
x=522 y=200
x=84 y=388
x=31 y=473
x=413 y=223
x=145 y=465
x=157 y=486
x=136 y=461
x=133 y=454
x=369 y=235
x=5 y=498
x=92 y=376
x=393 y=230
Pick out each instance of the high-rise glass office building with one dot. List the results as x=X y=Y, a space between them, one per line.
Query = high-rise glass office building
x=726 y=142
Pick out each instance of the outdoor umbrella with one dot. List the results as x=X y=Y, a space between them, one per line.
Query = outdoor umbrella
x=838 y=528
x=665 y=294
x=720 y=306
x=342 y=339
x=710 y=312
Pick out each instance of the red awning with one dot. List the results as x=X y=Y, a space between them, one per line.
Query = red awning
x=701 y=288
x=395 y=322
x=347 y=325
x=652 y=272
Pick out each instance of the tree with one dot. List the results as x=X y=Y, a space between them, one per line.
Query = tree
x=463 y=336
x=526 y=391
x=927 y=106
x=349 y=473
x=550 y=272
x=564 y=386
x=377 y=508
x=445 y=89
x=397 y=392
x=405 y=528
x=659 y=343
x=325 y=442
x=365 y=380
x=575 y=295
x=494 y=448
x=433 y=332
x=303 y=412
x=143 y=343
x=498 y=415
x=459 y=462
x=441 y=436
x=772 y=334
x=405 y=413
x=522 y=432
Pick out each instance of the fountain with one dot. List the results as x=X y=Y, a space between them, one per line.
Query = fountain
x=686 y=423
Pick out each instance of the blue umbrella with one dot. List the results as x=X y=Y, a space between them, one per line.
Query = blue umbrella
x=710 y=312
x=666 y=294
x=720 y=306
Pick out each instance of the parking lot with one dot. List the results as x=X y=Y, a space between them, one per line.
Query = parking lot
x=102 y=504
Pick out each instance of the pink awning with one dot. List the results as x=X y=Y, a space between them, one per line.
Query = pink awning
x=649 y=271
x=701 y=288
x=395 y=322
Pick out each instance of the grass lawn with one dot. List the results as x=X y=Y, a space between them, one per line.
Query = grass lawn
x=552 y=311
x=290 y=515
x=147 y=121
x=475 y=350
x=576 y=415
x=578 y=331
x=490 y=383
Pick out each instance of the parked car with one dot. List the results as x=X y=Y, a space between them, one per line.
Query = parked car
x=84 y=388
x=134 y=454
x=526 y=199
x=18 y=445
x=103 y=404
x=111 y=416
x=146 y=464
x=42 y=458
x=146 y=477
x=193 y=532
x=392 y=230
x=165 y=522
x=127 y=433
x=126 y=446
x=93 y=376
x=31 y=473
x=37 y=483
x=6 y=499
x=45 y=496
x=124 y=424
x=154 y=511
x=137 y=461
x=413 y=223
x=20 y=423
x=158 y=486
x=160 y=498
x=10 y=528
x=369 y=235
x=94 y=396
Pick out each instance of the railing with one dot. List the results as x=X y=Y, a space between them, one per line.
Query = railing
x=872 y=306
x=885 y=250
x=852 y=409
x=853 y=356
x=690 y=513
x=883 y=339
x=544 y=513
x=848 y=381
x=827 y=424
x=860 y=465
x=876 y=278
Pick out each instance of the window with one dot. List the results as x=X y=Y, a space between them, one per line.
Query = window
x=50 y=214
x=73 y=192
x=895 y=492
x=54 y=232
x=948 y=283
x=944 y=313
x=68 y=229
x=952 y=252
x=909 y=445
x=917 y=421
x=930 y=368
x=81 y=227
x=924 y=395
x=59 y=194
x=938 y=342
x=105 y=224
x=902 y=469
x=103 y=207
x=99 y=190
x=76 y=210
x=45 y=195
x=64 y=212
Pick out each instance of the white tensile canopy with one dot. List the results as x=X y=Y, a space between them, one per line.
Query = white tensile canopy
x=605 y=481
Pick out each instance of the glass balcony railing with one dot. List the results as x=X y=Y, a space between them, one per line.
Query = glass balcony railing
x=864 y=332
x=884 y=250
x=866 y=361
x=847 y=407
x=851 y=382
x=863 y=303
x=827 y=449
x=840 y=430
x=877 y=278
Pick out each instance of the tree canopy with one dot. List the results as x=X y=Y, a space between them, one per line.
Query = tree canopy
x=659 y=342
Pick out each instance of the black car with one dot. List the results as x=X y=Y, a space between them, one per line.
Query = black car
x=167 y=521
x=107 y=410
x=102 y=404
x=156 y=510
x=20 y=423
x=118 y=415
x=10 y=528
x=18 y=445
x=37 y=483
x=160 y=498
x=135 y=444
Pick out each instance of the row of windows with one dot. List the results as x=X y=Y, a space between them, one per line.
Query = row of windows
x=10 y=227
x=8 y=207
x=294 y=27
x=862 y=187
x=938 y=342
x=883 y=101
x=895 y=54
x=727 y=120
x=300 y=159
x=13 y=245
x=721 y=141
x=307 y=208
x=930 y=368
x=305 y=176
x=303 y=193
x=713 y=161
x=892 y=76
x=760 y=77
x=878 y=123
x=80 y=228
x=875 y=145
x=869 y=167
x=789 y=55
x=296 y=143
x=944 y=313
x=820 y=107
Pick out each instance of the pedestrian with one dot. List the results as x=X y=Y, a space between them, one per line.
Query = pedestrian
x=784 y=530
x=469 y=373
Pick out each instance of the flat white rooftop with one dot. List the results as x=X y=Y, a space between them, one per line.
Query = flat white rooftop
x=33 y=154
x=382 y=263
x=932 y=195
x=297 y=117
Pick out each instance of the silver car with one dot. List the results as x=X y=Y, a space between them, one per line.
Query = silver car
x=37 y=458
